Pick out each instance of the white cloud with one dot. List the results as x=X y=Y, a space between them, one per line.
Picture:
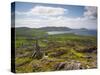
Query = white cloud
x=58 y=22
x=51 y=16
x=91 y=12
x=44 y=11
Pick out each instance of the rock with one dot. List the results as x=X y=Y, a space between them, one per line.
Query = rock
x=36 y=68
x=58 y=53
x=94 y=64
x=88 y=57
x=59 y=66
x=88 y=50
x=72 y=65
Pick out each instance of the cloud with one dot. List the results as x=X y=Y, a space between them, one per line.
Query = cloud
x=58 y=22
x=41 y=16
x=44 y=11
x=90 y=12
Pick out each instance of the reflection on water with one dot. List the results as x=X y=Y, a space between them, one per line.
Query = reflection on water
x=77 y=32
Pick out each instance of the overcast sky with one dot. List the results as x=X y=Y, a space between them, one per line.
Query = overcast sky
x=35 y=15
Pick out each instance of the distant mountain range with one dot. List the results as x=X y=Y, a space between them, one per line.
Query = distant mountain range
x=52 y=28
x=25 y=31
x=55 y=28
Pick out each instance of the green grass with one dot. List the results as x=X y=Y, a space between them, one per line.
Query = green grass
x=68 y=44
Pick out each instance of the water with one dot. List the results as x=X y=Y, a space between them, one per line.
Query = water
x=77 y=32
x=58 y=32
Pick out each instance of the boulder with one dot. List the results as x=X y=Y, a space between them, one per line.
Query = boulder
x=72 y=65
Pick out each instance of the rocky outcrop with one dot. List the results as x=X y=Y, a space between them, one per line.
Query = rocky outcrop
x=72 y=65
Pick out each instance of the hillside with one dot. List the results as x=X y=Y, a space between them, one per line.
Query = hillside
x=30 y=32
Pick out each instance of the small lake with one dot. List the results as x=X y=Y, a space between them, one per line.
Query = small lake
x=77 y=32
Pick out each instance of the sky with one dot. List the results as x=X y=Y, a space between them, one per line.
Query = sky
x=36 y=15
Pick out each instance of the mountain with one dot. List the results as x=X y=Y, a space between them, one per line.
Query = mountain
x=83 y=29
x=54 y=28
x=30 y=32
x=23 y=31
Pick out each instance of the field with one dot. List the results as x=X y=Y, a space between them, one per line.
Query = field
x=56 y=52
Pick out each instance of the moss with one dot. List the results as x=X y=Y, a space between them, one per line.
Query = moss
x=22 y=61
x=65 y=47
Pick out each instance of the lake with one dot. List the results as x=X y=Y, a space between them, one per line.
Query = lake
x=77 y=32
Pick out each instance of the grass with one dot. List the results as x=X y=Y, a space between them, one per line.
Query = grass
x=69 y=44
